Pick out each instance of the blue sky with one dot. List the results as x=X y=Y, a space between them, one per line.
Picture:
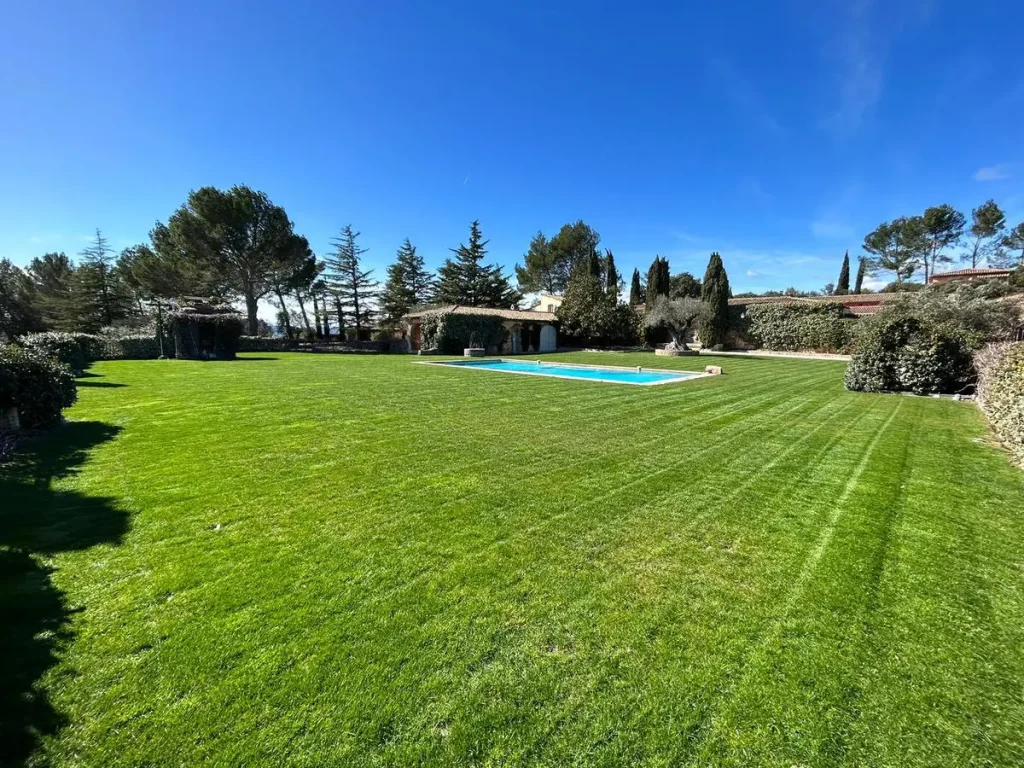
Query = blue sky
x=777 y=134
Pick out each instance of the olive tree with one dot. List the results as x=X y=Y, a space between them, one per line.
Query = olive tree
x=675 y=316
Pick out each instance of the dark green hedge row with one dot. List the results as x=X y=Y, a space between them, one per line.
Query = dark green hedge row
x=449 y=334
x=38 y=385
x=264 y=344
x=141 y=347
x=818 y=327
x=1001 y=393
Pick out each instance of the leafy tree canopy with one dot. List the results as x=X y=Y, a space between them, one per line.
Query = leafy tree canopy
x=684 y=284
x=238 y=237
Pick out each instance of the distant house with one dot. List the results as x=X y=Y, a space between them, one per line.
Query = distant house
x=528 y=330
x=969 y=275
x=549 y=302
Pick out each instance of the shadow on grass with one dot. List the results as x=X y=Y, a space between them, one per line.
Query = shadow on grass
x=101 y=384
x=246 y=359
x=37 y=521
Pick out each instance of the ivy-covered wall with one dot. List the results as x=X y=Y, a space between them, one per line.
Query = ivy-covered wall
x=449 y=333
x=819 y=327
x=1001 y=393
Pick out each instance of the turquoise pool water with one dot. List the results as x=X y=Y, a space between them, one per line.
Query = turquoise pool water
x=565 y=371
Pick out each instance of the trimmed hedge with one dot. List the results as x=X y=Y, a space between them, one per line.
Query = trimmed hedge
x=37 y=384
x=264 y=344
x=449 y=334
x=799 y=327
x=75 y=350
x=141 y=347
x=902 y=353
x=1001 y=393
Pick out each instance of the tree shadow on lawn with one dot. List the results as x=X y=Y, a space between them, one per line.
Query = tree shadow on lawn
x=100 y=384
x=37 y=521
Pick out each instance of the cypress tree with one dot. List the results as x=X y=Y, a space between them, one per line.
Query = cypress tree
x=636 y=293
x=843 y=284
x=862 y=268
x=594 y=264
x=658 y=281
x=715 y=295
x=611 y=282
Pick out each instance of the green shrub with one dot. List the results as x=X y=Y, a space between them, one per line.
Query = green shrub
x=898 y=352
x=1001 y=393
x=140 y=347
x=448 y=333
x=798 y=327
x=37 y=384
x=264 y=344
x=75 y=350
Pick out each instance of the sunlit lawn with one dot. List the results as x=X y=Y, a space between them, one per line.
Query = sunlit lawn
x=317 y=560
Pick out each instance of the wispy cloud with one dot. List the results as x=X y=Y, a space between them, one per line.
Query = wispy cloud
x=686 y=237
x=992 y=173
x=860 y=50
x=873 y=284
x=829 y=228
x=45 y=237
x=746 y=99
x=832 y=220
x=756 y=190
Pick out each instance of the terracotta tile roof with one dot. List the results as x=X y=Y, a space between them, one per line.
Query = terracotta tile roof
x=850 y=300
x=524 y=315
x=978 y=272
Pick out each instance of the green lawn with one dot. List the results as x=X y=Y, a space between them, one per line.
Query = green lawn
x=355 y=560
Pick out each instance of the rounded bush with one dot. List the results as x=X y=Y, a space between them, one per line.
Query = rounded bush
x=75 y=350
x=901 y=353
x=35 y=383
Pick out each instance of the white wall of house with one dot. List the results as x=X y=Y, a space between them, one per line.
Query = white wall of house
x=548 y=339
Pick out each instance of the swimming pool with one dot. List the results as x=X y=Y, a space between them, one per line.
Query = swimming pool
x=638 y=376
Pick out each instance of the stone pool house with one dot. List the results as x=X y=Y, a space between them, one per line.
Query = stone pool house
x=527 y=330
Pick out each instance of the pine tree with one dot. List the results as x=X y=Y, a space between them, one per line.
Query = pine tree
x=353 y=287
x=862 y=268
x=843 y=284
x=636 y=293
x=408 y=284
x=102 y=296
x=715 y=295
x=611 y=281
x=467 y=281
x=54 y=278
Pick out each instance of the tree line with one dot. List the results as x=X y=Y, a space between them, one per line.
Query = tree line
x=922 y=243
x=237 y=245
